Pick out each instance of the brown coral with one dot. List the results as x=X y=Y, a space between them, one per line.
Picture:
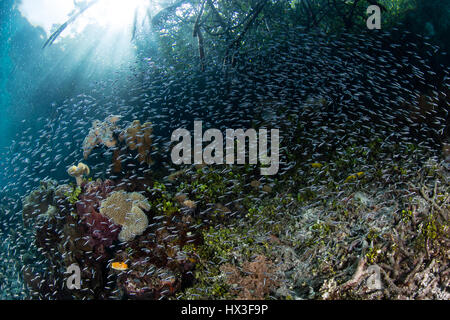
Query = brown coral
x=255 y=281
x=138 y=137
x=125 y=209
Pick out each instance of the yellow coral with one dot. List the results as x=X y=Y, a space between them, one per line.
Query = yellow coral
x=125 y=209
x=78 y=172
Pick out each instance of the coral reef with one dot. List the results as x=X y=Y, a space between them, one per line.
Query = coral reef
x=76 y=233
x=125 y=209
x=43 y=202
x=191 y=237
x=86 y=228
x=138 y=137
x=101 y=133
x=149 y=282
x=360 y=184
x=158 y=267
x=314 y=244
x=101 y=232
x=79 y=172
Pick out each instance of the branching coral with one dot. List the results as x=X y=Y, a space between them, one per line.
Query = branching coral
x=125 y=209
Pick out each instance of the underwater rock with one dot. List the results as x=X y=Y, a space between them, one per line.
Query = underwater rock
x=125 y=209
x=35 y=204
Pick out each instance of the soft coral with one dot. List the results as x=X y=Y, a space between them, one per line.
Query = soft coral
x=102 y=231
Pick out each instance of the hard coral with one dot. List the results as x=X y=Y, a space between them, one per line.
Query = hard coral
x=125 y=209
x=101 y=133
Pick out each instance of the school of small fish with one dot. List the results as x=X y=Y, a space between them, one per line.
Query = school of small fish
x=325 y=95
